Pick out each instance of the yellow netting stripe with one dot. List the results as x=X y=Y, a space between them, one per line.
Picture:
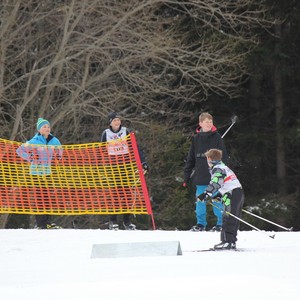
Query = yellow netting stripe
x=94 y=178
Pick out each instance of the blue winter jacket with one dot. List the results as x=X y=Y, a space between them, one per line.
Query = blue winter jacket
x=39 y=152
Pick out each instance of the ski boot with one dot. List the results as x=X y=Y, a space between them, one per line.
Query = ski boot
x=225 y=246
x=113 y=226
x=198 y=227
x=129 y=226
x=217 y=228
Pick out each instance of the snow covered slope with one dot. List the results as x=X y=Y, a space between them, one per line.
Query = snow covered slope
x=56 y=265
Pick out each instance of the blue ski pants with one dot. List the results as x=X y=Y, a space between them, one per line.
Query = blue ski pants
x=201 y=208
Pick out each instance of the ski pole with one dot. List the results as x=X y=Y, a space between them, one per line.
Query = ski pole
x=233 y=121
x=232 y=215
x=254 y=215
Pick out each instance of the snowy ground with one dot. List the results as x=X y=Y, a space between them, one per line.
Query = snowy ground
x=57 y=264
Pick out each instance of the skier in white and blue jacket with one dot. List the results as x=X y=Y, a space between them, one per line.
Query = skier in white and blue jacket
x=39 y=151
x=225 y=183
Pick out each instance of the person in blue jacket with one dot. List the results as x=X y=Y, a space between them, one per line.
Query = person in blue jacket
x=39 y=152
x=207 y=138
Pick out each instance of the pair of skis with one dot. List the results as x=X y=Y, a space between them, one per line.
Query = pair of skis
x=216 y=250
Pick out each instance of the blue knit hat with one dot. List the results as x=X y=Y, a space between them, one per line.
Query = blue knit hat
x=41 y=122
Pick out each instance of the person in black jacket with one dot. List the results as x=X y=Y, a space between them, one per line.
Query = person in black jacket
x=114 y=132
x=207 y=138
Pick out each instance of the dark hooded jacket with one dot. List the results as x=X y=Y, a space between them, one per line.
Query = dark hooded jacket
x=196 y=159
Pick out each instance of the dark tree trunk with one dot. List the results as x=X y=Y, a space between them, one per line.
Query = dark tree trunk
x=279 y=107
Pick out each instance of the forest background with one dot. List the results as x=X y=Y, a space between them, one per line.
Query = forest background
x=160 y=64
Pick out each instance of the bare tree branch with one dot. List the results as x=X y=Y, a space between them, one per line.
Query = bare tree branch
x=73 y=61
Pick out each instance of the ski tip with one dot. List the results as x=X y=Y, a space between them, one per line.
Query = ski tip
x=202 y=250
x=291 y=229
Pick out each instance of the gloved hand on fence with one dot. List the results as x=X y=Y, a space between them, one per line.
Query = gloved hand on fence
x=145 y=168
x=203 y=197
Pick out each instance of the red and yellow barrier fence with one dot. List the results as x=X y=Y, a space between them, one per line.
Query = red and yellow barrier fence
x=95 y=178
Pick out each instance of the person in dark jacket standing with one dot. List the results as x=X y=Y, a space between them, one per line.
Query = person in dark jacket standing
x=207 y=138
x=117 y=131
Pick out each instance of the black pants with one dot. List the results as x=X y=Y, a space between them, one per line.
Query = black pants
x=126 y=218
x=42 y=221
x=230 y=224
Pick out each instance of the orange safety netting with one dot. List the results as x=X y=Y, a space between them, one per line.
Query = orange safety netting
x=95 y=178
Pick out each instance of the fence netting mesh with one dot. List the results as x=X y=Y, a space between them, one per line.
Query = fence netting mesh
x=95 y=178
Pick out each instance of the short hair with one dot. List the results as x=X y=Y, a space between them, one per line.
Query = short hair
x=214 y=154
x=204 y=116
